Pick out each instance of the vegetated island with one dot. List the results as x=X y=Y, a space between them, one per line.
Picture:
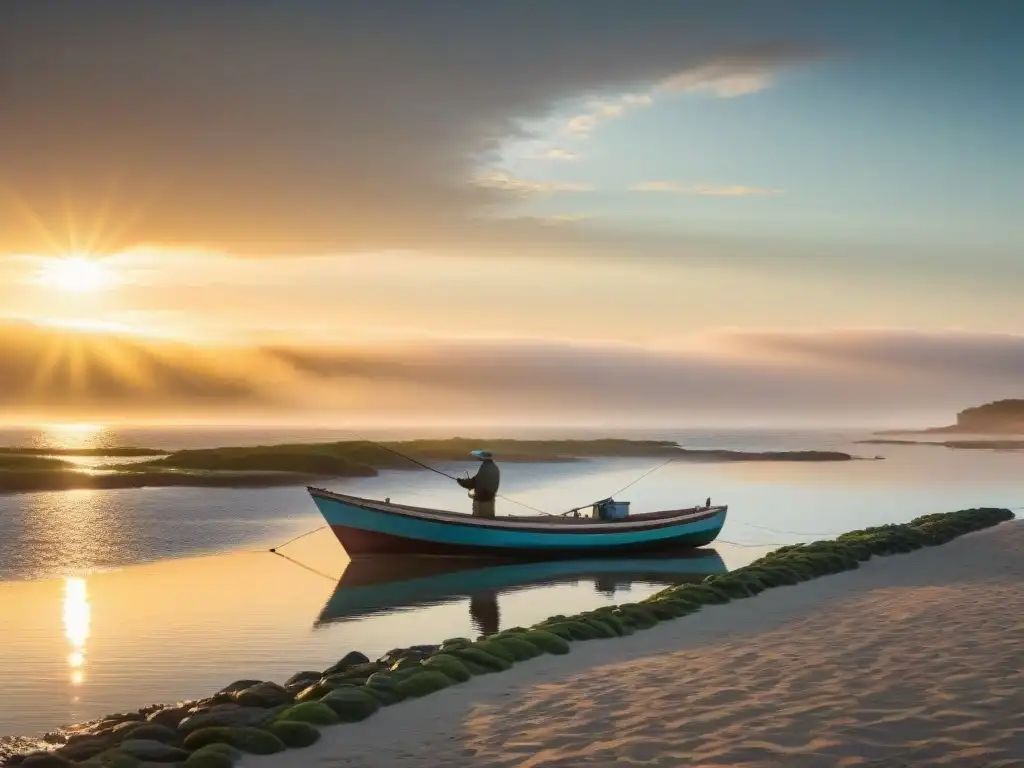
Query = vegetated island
x=301 y=463
x=983 y=445
x=999 y=417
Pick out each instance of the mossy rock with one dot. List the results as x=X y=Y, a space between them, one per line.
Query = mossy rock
x=400 y=674
x=211 y=756
x=572 y=630
x=156 y=732
x=111 y=758
x=351 y=704
x=476 y=669
x=495 y=648
x=349 y=660
x=615 y=622
x=383 y=696
x=512 y=631
x=664 y=610
x=450 y=666
x=520 y=648
x=455 y=642
x=312 y=712
x=406 y=662
x=426 y=682
x=603 y=627
x=315 y=692
x=705 y=593
x=548 y=642
x=643 y=617
x=482 y=658
x=255 y=741
x=561 y=629
x=295 y=734
x=381 y=678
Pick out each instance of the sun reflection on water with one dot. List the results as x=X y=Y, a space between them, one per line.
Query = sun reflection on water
x=72 y=436
x=77 y=617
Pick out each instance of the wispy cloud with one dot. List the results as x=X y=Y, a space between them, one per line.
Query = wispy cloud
x=506 y=182
x=735 y=190
x=724 y=77
x=562 y=219
x=557 y=153
x=703 y=190
x=656 y=186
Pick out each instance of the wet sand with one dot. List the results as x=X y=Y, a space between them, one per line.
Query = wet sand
x=911 y=660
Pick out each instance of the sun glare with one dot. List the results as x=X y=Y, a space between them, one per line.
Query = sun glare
x=75 y=274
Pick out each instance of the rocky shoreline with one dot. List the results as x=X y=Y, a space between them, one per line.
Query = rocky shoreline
x=262 y=717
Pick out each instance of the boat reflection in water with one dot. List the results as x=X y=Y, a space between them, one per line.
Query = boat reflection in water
x=394 y=583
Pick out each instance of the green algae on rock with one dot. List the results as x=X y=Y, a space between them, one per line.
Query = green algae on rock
x=294 y=734
x=256 y=741
x=312 y=712
x=351 y=704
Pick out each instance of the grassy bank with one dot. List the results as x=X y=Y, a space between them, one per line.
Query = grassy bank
x=259 y=717
x=23 y=470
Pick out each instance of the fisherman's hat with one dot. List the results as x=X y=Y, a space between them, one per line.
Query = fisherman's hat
x=482 y=455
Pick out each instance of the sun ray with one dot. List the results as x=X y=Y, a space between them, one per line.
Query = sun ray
x=33 y=220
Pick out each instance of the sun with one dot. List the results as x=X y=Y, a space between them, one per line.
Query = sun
x=75 y=274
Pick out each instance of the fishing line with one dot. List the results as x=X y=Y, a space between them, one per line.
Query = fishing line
x=645 y=474
x=790 y=533
x=623 y=488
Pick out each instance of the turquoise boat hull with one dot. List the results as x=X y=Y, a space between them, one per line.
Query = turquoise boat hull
x=370 y=527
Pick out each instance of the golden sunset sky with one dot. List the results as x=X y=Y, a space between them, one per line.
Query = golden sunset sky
x=589 y=211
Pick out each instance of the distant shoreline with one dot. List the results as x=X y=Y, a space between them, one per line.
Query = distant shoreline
x=32 y=469
x=984 y=445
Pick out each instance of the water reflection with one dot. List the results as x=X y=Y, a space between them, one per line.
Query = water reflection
x=384 y=584
x=77 y=620
x=70 y=436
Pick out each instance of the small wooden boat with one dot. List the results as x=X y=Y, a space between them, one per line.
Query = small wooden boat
x=371 y=527
x=385 y=584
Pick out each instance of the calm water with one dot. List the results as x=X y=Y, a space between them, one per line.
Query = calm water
x=114 y=599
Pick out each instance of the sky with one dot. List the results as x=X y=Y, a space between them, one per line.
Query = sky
x=581 y=210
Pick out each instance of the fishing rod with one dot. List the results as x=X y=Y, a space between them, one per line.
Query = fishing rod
x=445 y=474
x=407 y=458
x=623 y=488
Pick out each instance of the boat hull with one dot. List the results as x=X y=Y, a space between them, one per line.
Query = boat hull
x=365 y=527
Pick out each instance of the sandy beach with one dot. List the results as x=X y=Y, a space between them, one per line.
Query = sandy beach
x=911 y=660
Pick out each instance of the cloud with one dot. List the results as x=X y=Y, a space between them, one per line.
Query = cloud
x=557 y=153
x=703 y=190
x=737 y=74
x=727 y=374
x=656 y=186
x=524 y=188
x=307 y=127
x=736 y=190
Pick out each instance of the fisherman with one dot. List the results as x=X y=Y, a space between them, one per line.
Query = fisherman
x=483 y=487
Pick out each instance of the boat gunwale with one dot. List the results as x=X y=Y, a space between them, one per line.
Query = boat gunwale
x=642 y=521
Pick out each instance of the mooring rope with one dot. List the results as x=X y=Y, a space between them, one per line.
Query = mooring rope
x=301 y=536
